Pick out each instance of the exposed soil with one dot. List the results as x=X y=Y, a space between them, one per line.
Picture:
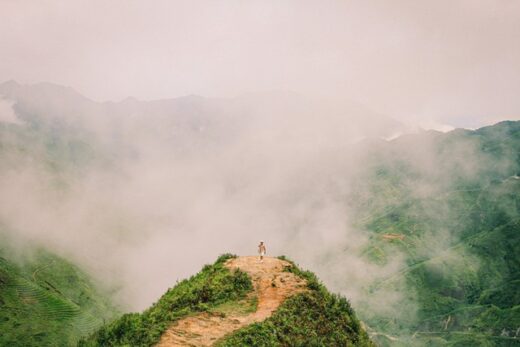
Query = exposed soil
x=271 y=286
x=393 y=236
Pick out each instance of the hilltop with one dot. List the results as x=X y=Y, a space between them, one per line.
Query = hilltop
x=239 y=301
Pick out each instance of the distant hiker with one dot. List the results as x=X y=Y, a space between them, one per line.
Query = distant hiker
x=262 y=250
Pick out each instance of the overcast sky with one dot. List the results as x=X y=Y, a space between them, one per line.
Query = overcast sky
x=457 y=62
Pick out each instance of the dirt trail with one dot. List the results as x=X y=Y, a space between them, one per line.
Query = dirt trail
x=271 y=286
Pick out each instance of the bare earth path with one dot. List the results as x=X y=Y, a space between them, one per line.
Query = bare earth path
x=271 y=286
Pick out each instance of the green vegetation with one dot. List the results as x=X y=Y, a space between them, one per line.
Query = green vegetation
x=312 y=318
x=46 y=301
x=215 y=285
x=241 y=307
x=447 y=204
x=458 y=218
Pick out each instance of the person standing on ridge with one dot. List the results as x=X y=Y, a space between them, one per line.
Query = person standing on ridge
x=262 y=250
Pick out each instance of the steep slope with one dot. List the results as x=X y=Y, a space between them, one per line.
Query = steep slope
x=271 y=287
x=214 y=285
x=46 y=301
x=240 y=301
x=455 y=219
x=313 y=317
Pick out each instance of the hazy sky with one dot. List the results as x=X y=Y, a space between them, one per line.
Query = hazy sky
x=455 y=61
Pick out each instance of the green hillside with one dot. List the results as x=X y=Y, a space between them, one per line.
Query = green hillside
x=456 y=220
x=46 y=301
x=212 y=286
x=314 y=317
x=445 y=207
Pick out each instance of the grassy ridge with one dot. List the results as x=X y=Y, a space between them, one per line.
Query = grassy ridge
x=211 y=287
x=312 y=318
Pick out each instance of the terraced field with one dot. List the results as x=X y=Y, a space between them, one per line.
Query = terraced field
x=47 y=302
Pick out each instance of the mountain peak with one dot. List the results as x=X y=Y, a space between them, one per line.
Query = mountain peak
x=271 y=286
x=238 y=300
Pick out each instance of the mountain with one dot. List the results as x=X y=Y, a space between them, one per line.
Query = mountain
x=47 y=301
x=421 y=233
x=215 y=118
x=240 y=301
x=449 y=206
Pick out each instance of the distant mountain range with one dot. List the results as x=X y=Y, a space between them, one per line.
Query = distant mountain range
x=46 y=102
